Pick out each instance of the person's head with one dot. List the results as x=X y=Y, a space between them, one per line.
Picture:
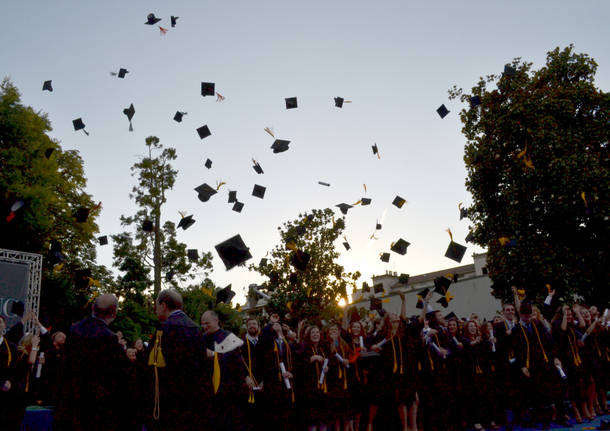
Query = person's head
x=105 y=307
x=2 y=326
x=252 y=326
x=525 y=312
x=536 y=314
x=475 y=317
x=138 y=345
x=391 y=323
x=356 y=328
x=586 y=315
x=59 y=339
x=169 y=300
x=594 y=311
x=132 y=354
x=334 y=332
x=209 y=322
x=312 y=335
x=509 y=311
x=568 y=313
x=452 y=326
x=486 y=329
x=497 y=319
x=277 y=327
x=472 y=329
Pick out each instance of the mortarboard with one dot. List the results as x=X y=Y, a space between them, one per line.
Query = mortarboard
x=79 y=125
x=376 y=304
x=151 y=19
x=130 y=112
x=455 y=251
x=398 y=201
x=365 y=201
x=441 y=285
x=81 y=214
x=186 y=222
x=291 y=102
x=263 y=262
x=48 y=152
x=147 y=225
x=238 y=206
x=442 y=111
x=469 y=237
x=122 y=72
x=375 y=149
x=475 y=101
x=232 y=196
x=339 y=102
x=463 y=213
x=103 y=240
x=259 y=191
x=385 y=257
x=300 y=259
x=233 y=252
x=403 y=279
x=378 y=288
x=451 y=315
x=47 y=86
x=205 y=192
x=365 y=287
x=377 y=226
x=207 y=89
x=208 y=163
x=509 y=70
x=257 y=168
x=445 y=300
x=15 y=207
x=280 y=145
x=17 y=308
x=178 y=116
x=322 y=183
x=400 y=247
x=192 y=254
x=346 y=245
x=204 y=132
x=174 y=19
x=225 y=295
x=344 y=207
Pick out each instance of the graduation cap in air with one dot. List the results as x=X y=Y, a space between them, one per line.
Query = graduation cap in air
x=263 y=262
x=376 y=305
x=48 y=152
x=14 y=208
x=174 y=19
x=238 y=206
x=205 y=192
x=463 y=213
x=291 y=102
x=232 y=196
x=147 y=225
x=81 y=214
x=365 y=287
x=365 y=201
x=398 y=202
x=509 y=70
x=322 y=183
x=385 y=257
x=346 y=245
x=450 y=316
x=103 y=240
x=375 y=150
x=475 y=101
x=400 y=247
x=378 y=288
x=377 y=226
x=203 y=132
x=192 y=254
x=151 y=19
x=47 y=86
x=178 y=116
x=445 y=300
x=225 y=295
x=420 y=298
x=207 y=89
x=441 y=285
x=280 y=145
x=455 y=251
x=403 y=279
x=299 y=259
x=79 y=125
x=344 y=208
x=122 y=73
x=208 y=163
x=233 y=252
x=257 y=167
x=186 y=222
x=17 y=308
x=442 y=111
x=469 y=237
x=130 y=112
x=339 y=102
x=258 y=191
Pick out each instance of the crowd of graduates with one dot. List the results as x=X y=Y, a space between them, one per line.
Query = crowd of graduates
x=529 y=366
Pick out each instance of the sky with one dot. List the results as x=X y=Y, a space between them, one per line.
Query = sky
x=395 y=60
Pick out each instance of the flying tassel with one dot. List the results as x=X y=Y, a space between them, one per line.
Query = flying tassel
x=220 y=184
x=503 y=240
x=219 y=97
x=270 y=131
x=373 y=236
x=130 y=127
x=182 y=214
x=584 y=199
x=357 y=203
x=521 y=294
x=364 y=185
x=450 y=234
x=527 y=161
x=162 y=30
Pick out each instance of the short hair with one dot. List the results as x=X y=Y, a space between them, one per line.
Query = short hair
x=251 y=318
x=105 y=306
x=211 y=313
x=171 y=298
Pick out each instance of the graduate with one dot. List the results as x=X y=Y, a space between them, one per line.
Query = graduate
x=337 y=377
x=250 y=352
x=8 y=389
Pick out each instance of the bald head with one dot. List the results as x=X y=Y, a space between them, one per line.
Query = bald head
x=209 y=322
x=105 y=307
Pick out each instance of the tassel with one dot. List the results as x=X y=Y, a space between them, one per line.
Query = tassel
x=130 y=127
x=216 y=374
x=162 y=30
x=9 y=358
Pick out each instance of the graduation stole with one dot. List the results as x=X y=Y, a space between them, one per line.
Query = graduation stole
x=438 y=343
x=527 y=343
x=511 y=353
x=399 y=352
x=323 y=385
x=9 y=357
x=342 y=372
x=574 y=347
x=477 y=368
x=251 y=396
x=356 y=346
x=156 y=360
x=216 y=374
x=288 y=361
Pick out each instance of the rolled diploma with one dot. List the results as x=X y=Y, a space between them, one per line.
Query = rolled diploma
x=323 y=371
x=340 y=358
x=286 y=379
x=361 y=342
x=561 y=373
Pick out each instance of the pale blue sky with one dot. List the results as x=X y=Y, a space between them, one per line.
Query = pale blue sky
x=395 y=60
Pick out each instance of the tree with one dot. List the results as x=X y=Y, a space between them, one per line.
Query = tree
x=538 y=171
x=159 y=249
x=314 y=290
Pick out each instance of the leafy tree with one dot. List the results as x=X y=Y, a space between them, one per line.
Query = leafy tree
x=200 y=298
x=314 y=291
x=538 y=170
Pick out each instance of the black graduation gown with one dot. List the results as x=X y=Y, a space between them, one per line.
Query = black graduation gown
x=312 y=396
x=571 y=359
x=9 y=411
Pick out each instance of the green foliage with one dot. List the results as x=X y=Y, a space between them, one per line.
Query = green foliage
x=315 y=291
x=135 y=320
x=199 y=299
x=554 y=212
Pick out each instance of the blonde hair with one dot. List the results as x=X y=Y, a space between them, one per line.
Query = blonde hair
x=25 y=342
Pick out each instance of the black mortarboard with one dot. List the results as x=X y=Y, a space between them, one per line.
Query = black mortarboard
x=174 y=19
x=398 y=201
x=130 y=112
x=442 y=111
x=346 y=245
x=233 y=252
x=208 y=163
x=475 y=101
x=376 y=304
x=377 y=226
x=455 y=277
x=232 y=196
x=81 y=214
x=280 y=145
x=385 y=257
x=151 y=19
x=365 y=287
x=420 y=298
x=469 y=237
x=48 y=152
x=293 y=278
x=259 y=191
x=378 y=288
x=300 y=259
x=375 y=149
x=238 y=206
x=204 y=131
x=455 y=251
x=403 y=279
x=400 y=247
x=17 y=308
x=365 y=201
x=444 y=301
x=344 y=207
x=186 y=222
x=192 y=254
x=451 y=315
x=207 y=89
x=147 y=225
x=257 y=168
x=441 y=285
x=322 y=183
x=178 y=116
x=122 y=72
x=509 y=70
x=291 y=102
x=103 y=240
x=339 y=102
x=47 y=86
x=463 y=213
x=225 y=295
x=263 y=262
x=79 y=125
x=205 y=192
